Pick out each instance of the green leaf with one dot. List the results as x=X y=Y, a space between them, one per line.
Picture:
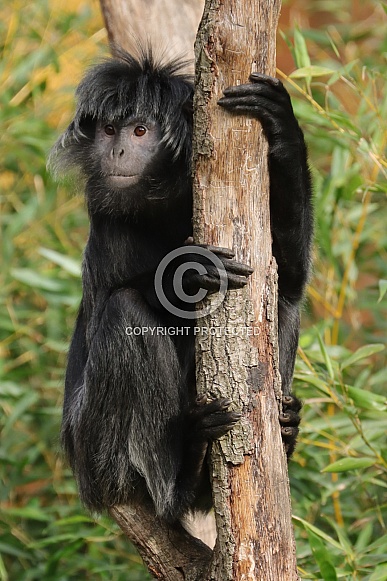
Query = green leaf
x=343 y=538
x=310 y=72
x=74 y=520
x=346 y=464
x=35 y=280
x=3 y=570
x=366 y=399
x=327 y=359
x=382 y=289
x=7 y=549
x=29 y=512
x=380 y=573
x=69 y=264
x=322 y=557
x=53 y=540
x=309 y=527
x=300 y=50
x=362 y=353
x=313 y=380
x=24 y=404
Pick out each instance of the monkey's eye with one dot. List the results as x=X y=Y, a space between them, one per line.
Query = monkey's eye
x=109 y=130
x=140 y=130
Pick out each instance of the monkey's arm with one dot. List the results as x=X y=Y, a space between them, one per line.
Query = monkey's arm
x=76 y=362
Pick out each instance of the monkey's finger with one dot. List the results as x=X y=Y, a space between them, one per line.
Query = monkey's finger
x=217 y=250
x=235 y=282
x=229 y=267
x=289 y=434
x=206 y=407
x=276 y=116
x=234 y=271
x=212 y=282
x=209 y=406
x=261 y=77
x=194 y=281
x=289 y=419
x=259 y=84
x=225 y=254
x=201 y=400
x=217 y=419
x=218 y=424
x=260 y=104
x=289 y=402
x=234 y=267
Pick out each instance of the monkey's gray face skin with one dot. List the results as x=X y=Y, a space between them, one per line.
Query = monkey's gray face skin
x=125 y=150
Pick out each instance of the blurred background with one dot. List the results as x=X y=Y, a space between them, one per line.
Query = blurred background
x=332 y=56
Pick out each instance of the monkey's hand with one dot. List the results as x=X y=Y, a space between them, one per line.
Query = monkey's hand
x=212 y=268
x=289 y=421
x=187 y=270
x=267 y=100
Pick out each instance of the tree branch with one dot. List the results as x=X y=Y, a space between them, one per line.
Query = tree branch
x=169 y=552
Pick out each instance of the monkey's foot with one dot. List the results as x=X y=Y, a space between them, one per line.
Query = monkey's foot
x=212 y=418
x=289 y=421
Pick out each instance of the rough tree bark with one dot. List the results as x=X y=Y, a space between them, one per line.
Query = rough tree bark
x=255 y=538
x=231 y=209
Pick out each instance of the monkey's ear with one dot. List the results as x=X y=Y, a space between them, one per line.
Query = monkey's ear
x=67 y=155
x=67 y=137
x=80 y=131
x=57 y=162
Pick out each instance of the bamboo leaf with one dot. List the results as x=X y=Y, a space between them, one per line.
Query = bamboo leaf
x=327 y=359
x=322 y=557
x=346 y=464
x=310 y=72
x=382 y=289
x=366 y=399
x=362 y=353
x=69 y=264
x=36 y=280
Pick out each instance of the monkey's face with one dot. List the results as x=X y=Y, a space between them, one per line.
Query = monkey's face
x=125 y=150
x=126 y=166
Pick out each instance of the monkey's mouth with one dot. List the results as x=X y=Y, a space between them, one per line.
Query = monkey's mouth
x=122 y=180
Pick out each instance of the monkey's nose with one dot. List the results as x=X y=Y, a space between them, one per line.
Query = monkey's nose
x=118 y=153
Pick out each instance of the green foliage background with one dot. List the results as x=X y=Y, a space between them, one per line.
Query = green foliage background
x=338 y=474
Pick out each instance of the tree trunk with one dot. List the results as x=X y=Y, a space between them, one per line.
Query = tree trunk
x=240 y=359
x=169 y=25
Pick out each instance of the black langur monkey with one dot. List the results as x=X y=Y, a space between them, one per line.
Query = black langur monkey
x=132 y=423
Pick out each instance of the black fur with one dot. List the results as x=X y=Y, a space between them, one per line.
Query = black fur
x=131 y=420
